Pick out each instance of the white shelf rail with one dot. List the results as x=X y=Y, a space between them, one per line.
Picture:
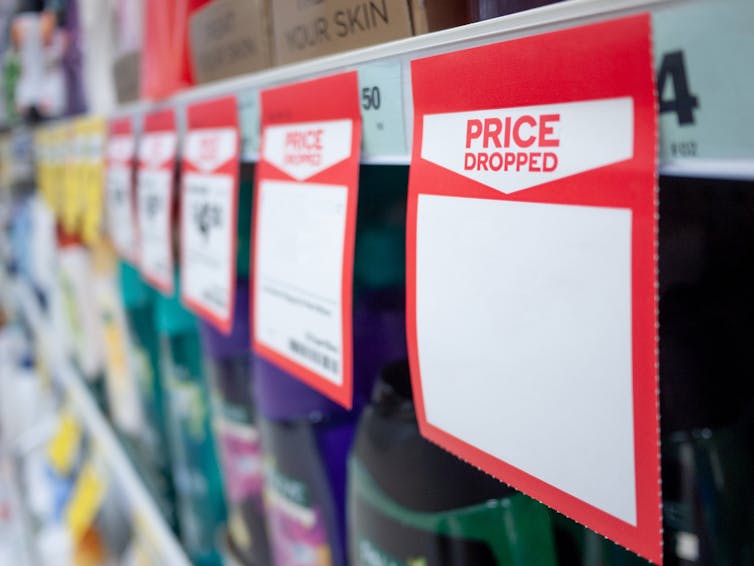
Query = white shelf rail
x=539 y=20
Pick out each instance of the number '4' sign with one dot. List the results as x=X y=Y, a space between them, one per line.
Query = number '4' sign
x=683 y=102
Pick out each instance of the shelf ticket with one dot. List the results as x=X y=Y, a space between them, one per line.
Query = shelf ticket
x=304 y=231
x=531 y=299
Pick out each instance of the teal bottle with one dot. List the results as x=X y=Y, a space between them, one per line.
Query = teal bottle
x=151 y=450
x=200 y=499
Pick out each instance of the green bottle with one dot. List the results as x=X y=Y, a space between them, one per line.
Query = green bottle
x=196 y=472
x=151 y=450
x=410 y=503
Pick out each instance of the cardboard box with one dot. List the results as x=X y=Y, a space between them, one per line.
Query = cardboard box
x=228 y=38
x=311 y=28
x=433 y=15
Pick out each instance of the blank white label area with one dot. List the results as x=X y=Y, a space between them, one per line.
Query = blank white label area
x=207 y=230
x=299 y=270
x=524 y=339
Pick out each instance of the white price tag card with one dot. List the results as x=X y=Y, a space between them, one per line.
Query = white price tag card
x=704 y=54
x=381 y=99
x=304 y=231
x=209 y=211
x=531 y=298
x=157 y=152
x=121 y=217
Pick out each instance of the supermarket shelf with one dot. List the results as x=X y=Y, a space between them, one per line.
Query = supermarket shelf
x=546 y=18
x=401 y=52
x=121 y=468
x=539 y=20
x=734 y=169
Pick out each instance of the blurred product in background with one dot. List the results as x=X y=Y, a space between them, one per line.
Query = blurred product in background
x=66 y=57
x=411 y=502
x=126 y=65
x=123 y=401
x=84 y=330
x=706 y=331
x=246 y=463
x=306 y=437
x=236 y=434
x=200 y=500
x=486 y=9
x=152 y=448
x=230 y=37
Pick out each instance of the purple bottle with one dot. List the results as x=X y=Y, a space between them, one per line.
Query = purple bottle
x=307 y=438
x=486 y=9
x=237 y=437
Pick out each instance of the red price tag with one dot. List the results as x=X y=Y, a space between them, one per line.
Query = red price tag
x=304 y=231
x=121 y=217
x=209 y=210
x=157 y=151
x=531 y=270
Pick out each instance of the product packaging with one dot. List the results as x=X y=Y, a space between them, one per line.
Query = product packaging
x=122 y=390
x=410 y=502
x=236 y=434
x=98 y=46
x=165 y=60
x=310 y=29
x=126 y=67
x=486 y=9
x=433 y=15
x=84 y=330
x=200 y=498
x=305 y=436
x=152 y=449
x=230 y=37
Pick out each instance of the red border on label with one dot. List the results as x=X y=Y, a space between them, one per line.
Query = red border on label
x=124 y=127
x=161 y=121
x=217 y=113
x=599 y=61
x=329 y=98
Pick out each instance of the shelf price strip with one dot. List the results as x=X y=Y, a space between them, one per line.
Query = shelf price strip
x=209 y=210
x=304 y=231
x=531 y=270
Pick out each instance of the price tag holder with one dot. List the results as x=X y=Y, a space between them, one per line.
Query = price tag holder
x=304 y=231
x=119 y=200
x=705 y=80
x=531 y=294
x=381 y=99
x=209 y=210
x=250 y=120
x=157 y=151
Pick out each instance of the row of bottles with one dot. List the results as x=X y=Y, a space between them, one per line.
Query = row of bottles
x=244 y=458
